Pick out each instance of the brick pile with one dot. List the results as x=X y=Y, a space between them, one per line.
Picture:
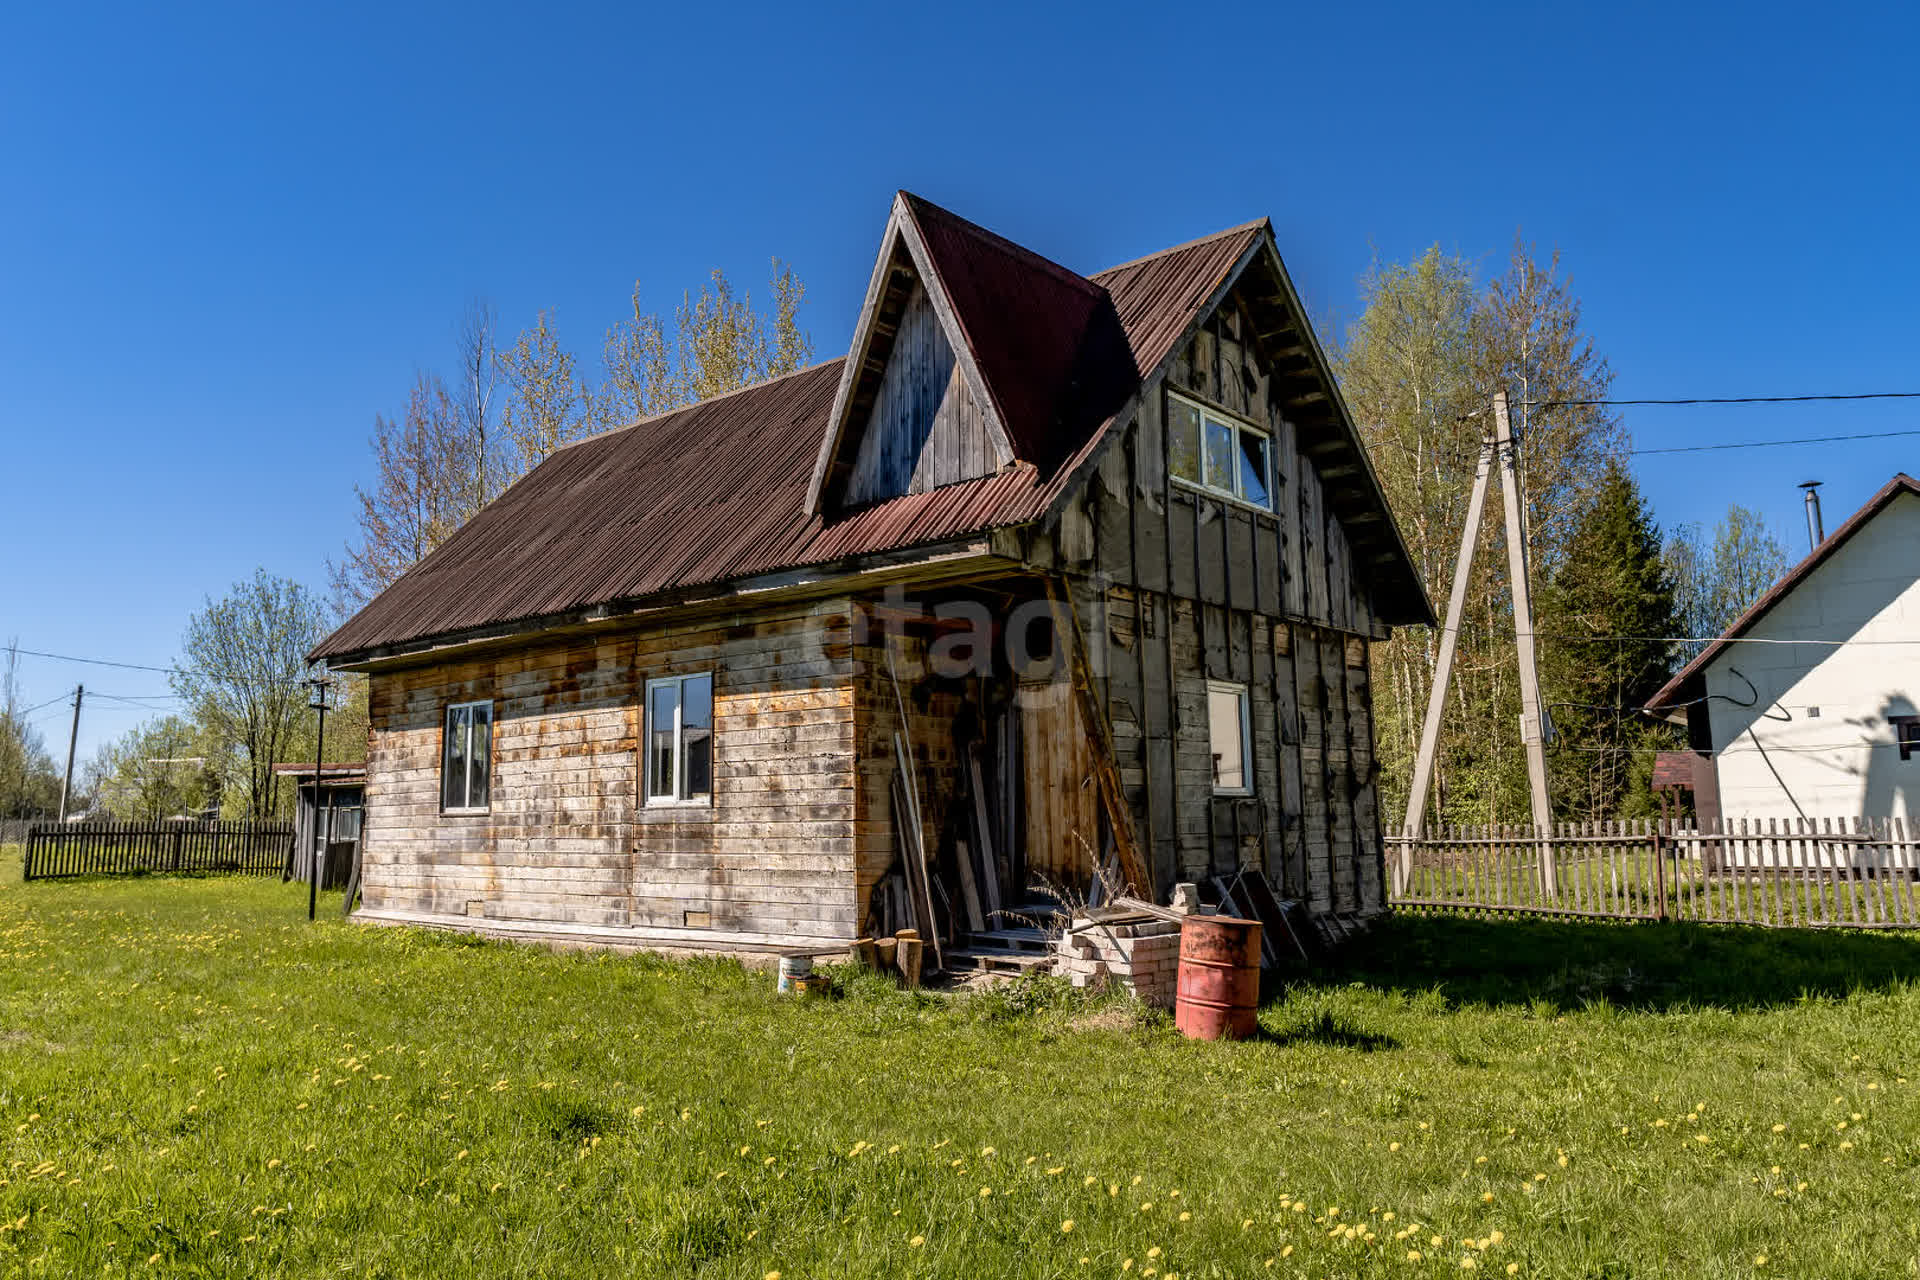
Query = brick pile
x=1141 y=953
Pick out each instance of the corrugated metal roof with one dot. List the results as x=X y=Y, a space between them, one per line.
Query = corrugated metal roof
x=719 y=490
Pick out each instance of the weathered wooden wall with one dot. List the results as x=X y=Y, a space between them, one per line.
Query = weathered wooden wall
x=925 y=429
x=567 y=839
x=1196 y=588
x=932 y=708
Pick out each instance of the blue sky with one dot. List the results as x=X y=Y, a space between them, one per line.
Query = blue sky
x=230 y=235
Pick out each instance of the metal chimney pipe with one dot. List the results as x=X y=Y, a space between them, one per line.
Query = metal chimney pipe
x=1816 y=531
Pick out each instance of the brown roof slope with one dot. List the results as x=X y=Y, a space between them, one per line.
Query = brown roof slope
x=1689 y=683
x=719 y=490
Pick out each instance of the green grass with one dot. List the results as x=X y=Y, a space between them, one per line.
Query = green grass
x=194 y=1081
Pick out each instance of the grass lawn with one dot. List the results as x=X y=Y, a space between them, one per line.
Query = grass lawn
x=193 y=1081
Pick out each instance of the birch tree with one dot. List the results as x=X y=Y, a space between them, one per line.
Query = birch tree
x=242 y=663
x=424 y=489
x=1418 y=368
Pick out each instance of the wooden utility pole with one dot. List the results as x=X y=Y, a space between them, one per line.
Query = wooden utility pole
x=1498 y=447
x=1443 y=669
x=73 y=739
x=1533 y=722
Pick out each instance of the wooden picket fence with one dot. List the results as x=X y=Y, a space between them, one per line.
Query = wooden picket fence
x=1862 y=872
x=57 y=850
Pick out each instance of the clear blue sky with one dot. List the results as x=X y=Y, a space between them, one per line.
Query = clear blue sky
x=231 y=234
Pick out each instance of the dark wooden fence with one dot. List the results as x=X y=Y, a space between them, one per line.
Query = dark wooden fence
x=1860 y=872
x=55 y=850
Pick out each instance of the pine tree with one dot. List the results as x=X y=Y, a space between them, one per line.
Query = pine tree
x=1604 y=614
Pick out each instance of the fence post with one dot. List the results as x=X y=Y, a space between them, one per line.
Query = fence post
x=1660 y=870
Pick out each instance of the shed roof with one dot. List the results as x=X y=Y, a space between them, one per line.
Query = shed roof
x=1689 y=683
x=720 y=490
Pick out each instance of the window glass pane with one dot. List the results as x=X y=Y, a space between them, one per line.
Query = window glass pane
x=1253 y=469
x=453 y=762
x=663 y=705
x=1183 y=440
x=1220 y=451
x=1226 y=711
x=479 y=755
x=696 y=719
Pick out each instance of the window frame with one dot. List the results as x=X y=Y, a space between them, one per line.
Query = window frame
x=1240 y=426
x=1906 y=735
x=679 y=799
x=1244 y=698
x=446 y=728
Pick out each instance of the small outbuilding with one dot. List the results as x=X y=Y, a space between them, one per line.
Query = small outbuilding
x=334 y=807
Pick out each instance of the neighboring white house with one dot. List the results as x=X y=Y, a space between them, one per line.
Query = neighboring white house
x=1822 y=730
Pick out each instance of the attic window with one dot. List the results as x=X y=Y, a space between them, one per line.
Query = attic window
x=1222 y=455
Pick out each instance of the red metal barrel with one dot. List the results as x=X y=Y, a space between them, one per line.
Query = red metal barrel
x=1219 y=977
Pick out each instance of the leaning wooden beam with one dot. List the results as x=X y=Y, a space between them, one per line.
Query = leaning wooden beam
x=1106 y=773
x=918 y=877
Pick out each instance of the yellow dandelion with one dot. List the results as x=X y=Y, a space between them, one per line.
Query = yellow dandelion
x=916 y=1242
x=1147 y=1207
x=1186 y=1217
x=986 y=1151
x=1088 y=1181
x=1486 y=1197
x=1413 y=1255
x=1066 y=1226
x=1056 y=1171
x=1513 y=1268
x=1393 y=1146
x=1287 y=1252
x=1154 y=1252
x=985 y=1192
x=1562 y=1160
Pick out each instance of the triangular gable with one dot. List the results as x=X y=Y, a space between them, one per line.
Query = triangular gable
x=1037 y=353
x=1688 y=683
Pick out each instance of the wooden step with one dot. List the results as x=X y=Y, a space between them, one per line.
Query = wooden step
x=978 y=959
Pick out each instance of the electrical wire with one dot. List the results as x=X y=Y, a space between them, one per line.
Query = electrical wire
x=98 y=662
x=1768 y=444
x=1860 y=395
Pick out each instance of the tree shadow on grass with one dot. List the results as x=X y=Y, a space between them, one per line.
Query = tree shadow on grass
x=1570 y=964
x=1328 y=1031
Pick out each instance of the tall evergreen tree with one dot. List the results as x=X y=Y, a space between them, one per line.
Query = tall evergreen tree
x=1605 y=613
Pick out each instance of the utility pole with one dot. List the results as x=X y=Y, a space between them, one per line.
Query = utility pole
x=1497 y=447
x=319 y=704
x=73 y=739
x=1533 y=722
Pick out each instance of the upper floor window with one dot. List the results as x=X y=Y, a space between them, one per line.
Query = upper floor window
x=679 y=739
x=1231 y=736
x=1223 y=455
x=466 y=757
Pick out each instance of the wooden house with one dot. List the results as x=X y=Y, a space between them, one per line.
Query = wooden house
x=1049 y=571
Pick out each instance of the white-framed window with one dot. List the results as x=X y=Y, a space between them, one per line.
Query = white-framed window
x=1209 y=450
x=679 y=763
x=1230 y=733
x=466 y=758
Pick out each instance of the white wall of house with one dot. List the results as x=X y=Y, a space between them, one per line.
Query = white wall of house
x=1818 y=732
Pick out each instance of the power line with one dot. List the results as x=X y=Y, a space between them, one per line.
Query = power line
x=1767 y=444
x=62 y=697
x=1864 y=395
x=98 y=662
